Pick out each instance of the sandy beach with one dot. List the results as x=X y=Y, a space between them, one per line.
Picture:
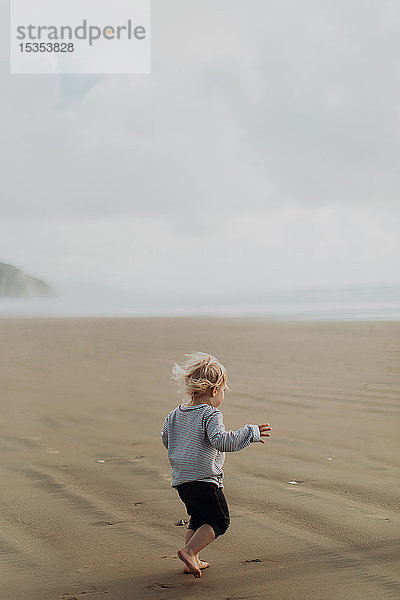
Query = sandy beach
x=86 y=503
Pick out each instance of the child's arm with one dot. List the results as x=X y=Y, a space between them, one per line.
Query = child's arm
x=164 y=434
x=230 y=441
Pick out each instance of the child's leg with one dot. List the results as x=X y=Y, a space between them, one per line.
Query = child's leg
x=189 y=533
x=202 y=564
x=199 y=540
x=209 y=517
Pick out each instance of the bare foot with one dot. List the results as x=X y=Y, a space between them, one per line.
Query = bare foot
x=190 y=561
x=202 y=565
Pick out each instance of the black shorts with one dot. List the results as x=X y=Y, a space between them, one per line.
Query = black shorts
x=206 y=504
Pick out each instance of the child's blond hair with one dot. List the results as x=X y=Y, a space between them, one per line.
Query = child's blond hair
x=199 y=374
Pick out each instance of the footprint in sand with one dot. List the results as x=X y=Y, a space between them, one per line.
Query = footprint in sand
x=110 y=523
x=94 y=589
x=257 y=560
x=252 y=560
x=85 y=568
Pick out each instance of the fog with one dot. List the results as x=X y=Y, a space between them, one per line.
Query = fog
x=260 y=155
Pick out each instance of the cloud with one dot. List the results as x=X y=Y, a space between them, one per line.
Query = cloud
x=74 y=88
x=269 y=249
x=264 y=141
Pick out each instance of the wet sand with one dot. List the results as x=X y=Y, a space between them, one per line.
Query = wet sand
x=87 y=508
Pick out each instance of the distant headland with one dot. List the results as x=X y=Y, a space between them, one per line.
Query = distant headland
x=14 y=283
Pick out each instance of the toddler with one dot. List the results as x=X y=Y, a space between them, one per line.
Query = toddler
x=195 y=437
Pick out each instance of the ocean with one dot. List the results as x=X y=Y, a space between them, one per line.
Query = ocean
x=363 y=303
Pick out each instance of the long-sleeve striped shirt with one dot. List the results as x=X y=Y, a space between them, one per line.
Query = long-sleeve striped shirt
x=196 y=440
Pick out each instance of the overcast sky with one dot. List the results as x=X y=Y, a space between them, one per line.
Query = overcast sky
x=262 y=152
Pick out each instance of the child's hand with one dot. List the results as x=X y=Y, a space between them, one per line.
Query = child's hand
x=263 y=431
